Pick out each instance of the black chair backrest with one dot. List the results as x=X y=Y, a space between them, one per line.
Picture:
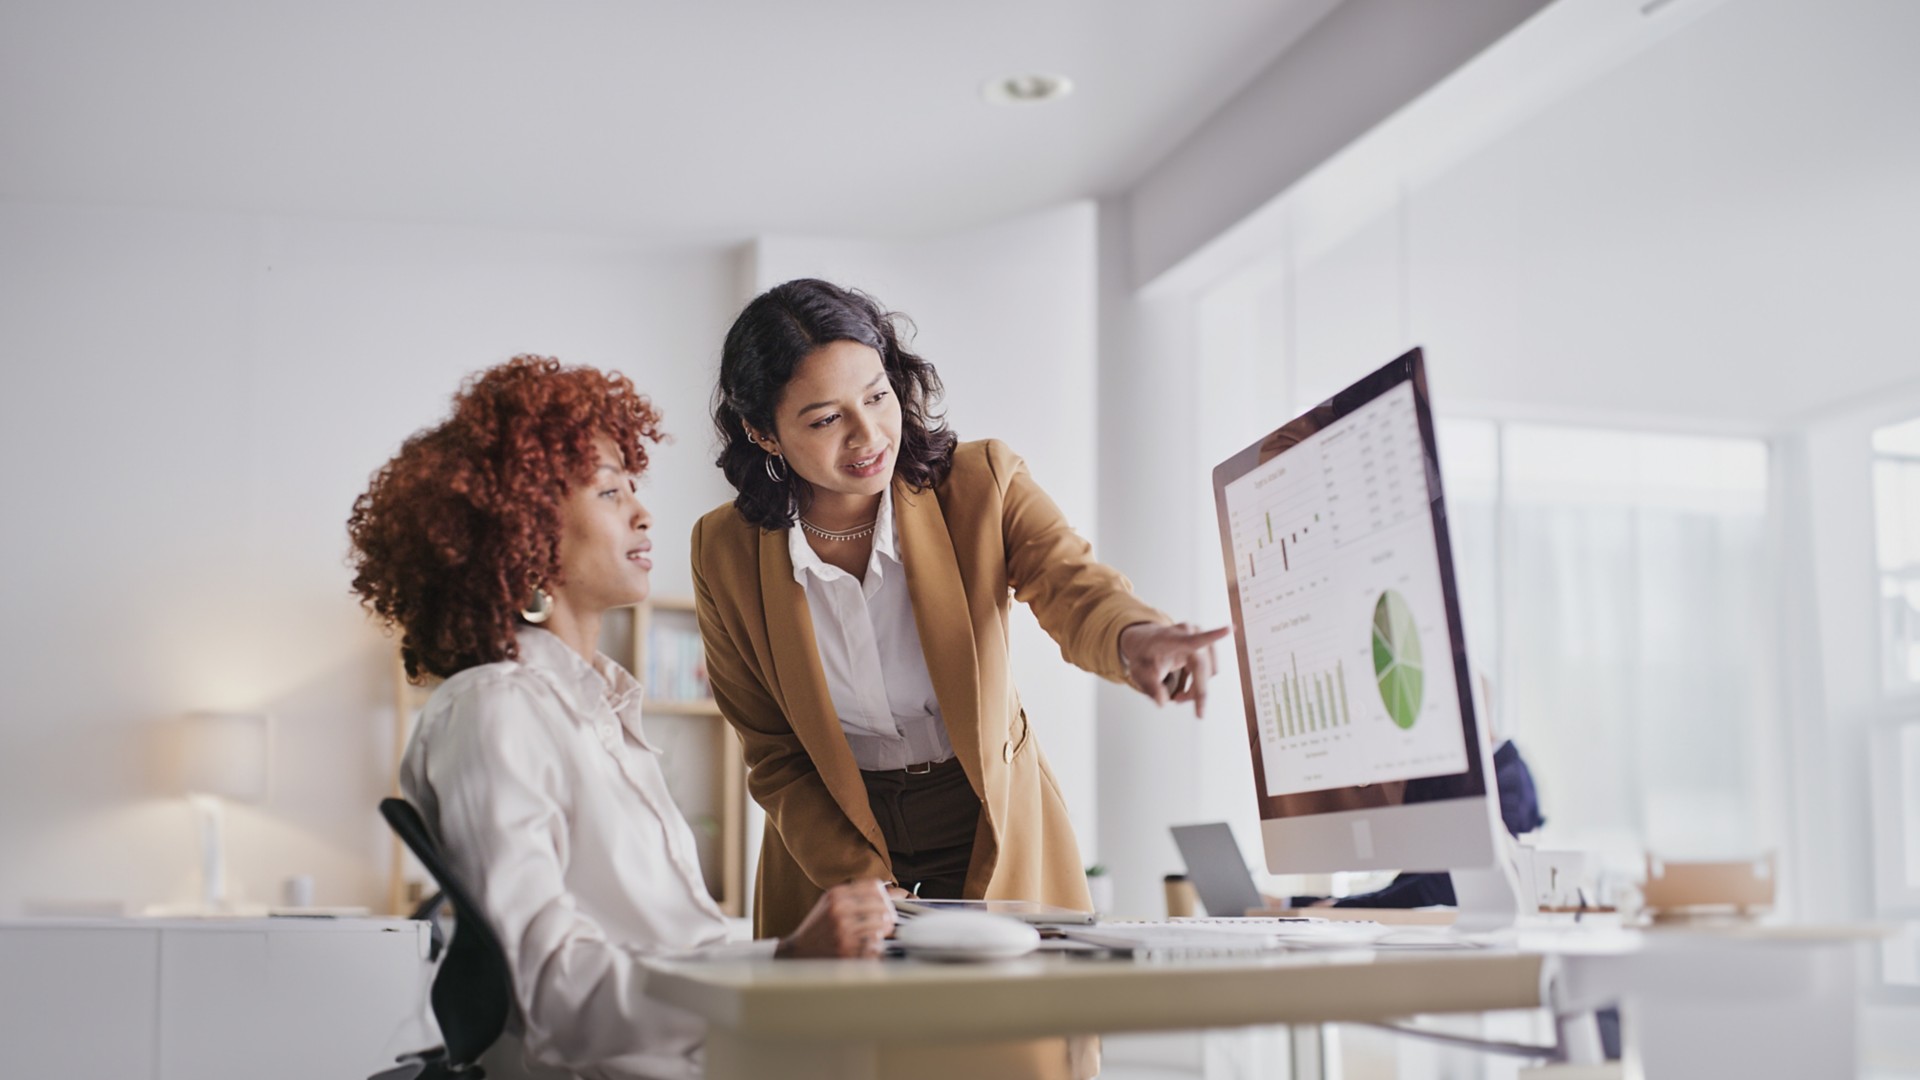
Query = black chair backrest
x=473 y=989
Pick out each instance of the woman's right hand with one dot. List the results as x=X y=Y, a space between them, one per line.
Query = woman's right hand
x=849 y=920
x=1171 y=663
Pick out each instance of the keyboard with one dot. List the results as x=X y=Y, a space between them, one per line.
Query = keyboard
x=1253 y=924
x=1197 y=938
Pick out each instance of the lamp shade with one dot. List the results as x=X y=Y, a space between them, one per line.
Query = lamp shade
x=224 y=754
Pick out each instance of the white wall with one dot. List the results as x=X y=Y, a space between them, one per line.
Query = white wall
x=1152 y=769
x=193 y=401
x=1007 y=315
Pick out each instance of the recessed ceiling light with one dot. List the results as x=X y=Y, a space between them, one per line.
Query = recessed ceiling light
x=1026 y=89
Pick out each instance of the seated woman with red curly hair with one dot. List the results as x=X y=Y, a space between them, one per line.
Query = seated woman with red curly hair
x=496 y=542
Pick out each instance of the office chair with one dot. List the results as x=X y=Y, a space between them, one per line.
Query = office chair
x=472 y=991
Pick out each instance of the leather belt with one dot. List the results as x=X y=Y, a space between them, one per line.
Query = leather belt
x=918 y=768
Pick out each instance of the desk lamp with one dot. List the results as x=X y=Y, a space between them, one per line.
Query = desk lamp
x=221 y=756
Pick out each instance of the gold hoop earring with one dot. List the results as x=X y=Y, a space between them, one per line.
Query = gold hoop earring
x=777 y=477
x=540 y=609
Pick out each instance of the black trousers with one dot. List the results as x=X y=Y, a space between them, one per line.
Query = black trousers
x=928 y=820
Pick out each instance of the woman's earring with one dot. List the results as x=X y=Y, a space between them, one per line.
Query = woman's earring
x=779 y=477
x=539 y=609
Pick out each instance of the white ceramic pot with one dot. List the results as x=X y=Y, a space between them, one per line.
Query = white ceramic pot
x=1101 y=887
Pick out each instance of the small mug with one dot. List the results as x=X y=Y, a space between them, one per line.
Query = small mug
x=297 y=891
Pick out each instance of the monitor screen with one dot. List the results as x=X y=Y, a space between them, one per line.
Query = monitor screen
x=1353 y=672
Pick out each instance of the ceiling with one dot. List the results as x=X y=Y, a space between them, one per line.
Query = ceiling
x=674 y=120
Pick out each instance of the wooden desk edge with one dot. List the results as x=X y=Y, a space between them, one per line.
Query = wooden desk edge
x=1019 y=1000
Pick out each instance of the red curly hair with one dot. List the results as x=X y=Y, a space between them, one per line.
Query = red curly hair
x=451 y=536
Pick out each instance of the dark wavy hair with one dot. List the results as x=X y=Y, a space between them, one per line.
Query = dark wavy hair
x=450 y=536
x=767 y=342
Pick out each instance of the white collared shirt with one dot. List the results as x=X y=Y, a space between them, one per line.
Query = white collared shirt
x=551 y=808
x=870 y=651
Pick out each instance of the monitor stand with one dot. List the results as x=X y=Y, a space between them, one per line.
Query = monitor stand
x=1489 y=897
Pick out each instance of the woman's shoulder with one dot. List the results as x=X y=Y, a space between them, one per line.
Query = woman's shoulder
x=725 y=524
x=723 y=534
x=485 y=723
x=480 y=677
x=487 y=695
x=983 y=462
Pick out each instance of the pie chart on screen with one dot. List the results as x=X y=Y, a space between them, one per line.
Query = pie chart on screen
x=1397 y=665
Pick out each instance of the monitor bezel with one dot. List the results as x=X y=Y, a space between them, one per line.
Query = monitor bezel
x=1471 y=783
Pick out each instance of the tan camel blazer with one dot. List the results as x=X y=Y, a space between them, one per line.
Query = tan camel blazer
x=986 y=535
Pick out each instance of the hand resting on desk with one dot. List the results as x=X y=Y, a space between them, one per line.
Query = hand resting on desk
x=851 y=920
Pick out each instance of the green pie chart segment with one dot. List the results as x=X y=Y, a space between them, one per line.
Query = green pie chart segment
x=1396 y=658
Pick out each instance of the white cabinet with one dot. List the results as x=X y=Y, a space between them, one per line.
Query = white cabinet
x=78 y=1002
x=211 y=999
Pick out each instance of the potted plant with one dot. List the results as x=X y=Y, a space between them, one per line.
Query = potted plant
x=1100 y=887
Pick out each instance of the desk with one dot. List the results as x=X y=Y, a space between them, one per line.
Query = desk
x=210 y=999
x=1703 y=1004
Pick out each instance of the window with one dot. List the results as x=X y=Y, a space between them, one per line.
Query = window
x=1896 y=503
x=1614 y=590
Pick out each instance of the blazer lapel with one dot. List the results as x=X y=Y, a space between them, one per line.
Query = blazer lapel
x=945 y=622
x=803 y=686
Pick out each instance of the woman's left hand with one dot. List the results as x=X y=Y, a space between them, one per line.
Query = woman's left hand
x=849 y=920
x=1171 y=663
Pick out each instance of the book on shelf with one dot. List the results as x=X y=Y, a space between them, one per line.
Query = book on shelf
x=676 y=668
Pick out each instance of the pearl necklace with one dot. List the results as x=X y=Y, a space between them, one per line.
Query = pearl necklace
x=860 y=533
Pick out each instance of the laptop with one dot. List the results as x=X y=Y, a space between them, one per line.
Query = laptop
x=1217 y=871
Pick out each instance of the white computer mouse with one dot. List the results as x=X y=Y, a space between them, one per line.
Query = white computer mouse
x=966 y=935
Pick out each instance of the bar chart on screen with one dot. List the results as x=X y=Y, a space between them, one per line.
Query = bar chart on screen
x=1316 y=701
x=1296 y=702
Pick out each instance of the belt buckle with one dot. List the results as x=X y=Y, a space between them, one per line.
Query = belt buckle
x=921 y=769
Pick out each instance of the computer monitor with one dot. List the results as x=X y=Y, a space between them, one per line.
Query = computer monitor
x=1353 y=669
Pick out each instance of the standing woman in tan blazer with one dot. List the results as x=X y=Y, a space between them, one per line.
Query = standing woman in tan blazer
x=854 y=602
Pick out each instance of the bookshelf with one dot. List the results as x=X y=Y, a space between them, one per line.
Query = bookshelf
x=670 y=660
x=659 y=642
